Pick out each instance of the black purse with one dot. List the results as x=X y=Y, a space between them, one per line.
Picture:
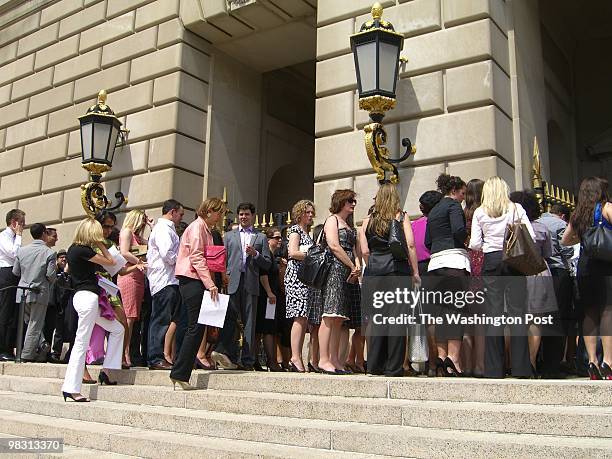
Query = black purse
x=597 y=240
x=314 y=268
x=397 y=240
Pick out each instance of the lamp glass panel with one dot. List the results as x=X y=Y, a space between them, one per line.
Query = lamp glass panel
x=113 y=142
x=389 y=60
x=366 y=58
x=101 y=135
x=86 y=140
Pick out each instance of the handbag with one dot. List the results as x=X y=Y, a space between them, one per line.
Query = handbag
x=597 y=240
x=418 y=350
x=519 y=251
x=397 y=240
x=215 y=258
x=314 y=268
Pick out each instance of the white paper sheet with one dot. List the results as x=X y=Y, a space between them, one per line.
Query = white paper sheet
x=270 y=310
x=111 y=288
x=120 y=262
x=213 y=313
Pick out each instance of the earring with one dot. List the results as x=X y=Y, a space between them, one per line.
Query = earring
x=208 y=215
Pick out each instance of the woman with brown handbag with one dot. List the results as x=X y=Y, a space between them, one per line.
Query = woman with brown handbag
x=489 y=224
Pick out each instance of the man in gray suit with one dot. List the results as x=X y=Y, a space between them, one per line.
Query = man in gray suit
x=247 y=253
x=36 y=264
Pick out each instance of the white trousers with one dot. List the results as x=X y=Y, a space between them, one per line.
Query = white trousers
x=86 y=306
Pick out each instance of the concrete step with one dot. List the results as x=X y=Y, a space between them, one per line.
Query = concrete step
x=561 y=420
x=319 y=434
x=571 y=392
x=109 y=440
x=68 y=451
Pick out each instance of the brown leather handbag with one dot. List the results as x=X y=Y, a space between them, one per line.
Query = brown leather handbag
x=520 y=252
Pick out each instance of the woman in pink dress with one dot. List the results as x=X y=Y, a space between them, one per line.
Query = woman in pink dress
x=132 y=285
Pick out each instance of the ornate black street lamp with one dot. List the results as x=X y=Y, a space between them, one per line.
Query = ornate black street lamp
x=101 y=133
x=376 y=49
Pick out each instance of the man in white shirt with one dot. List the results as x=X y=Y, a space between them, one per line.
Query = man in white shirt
x=166 y=299
x=10 y=241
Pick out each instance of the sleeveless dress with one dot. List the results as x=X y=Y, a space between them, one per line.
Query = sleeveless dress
x=132 y=288
x=295 y=291
x=337 y=297
x=595 y=276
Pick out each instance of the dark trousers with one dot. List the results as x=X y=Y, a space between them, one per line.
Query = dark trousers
x=8 y=311
x=244 y=305
x=386 y=355
x=54 y=329
x=191 y=291
x=163 y=304
x=514 y=292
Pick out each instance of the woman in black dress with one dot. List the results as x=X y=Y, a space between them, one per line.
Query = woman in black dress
x=594 y=275
x=269 y=318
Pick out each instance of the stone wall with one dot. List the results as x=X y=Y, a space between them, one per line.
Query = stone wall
x=54 y=60
x=454 y=96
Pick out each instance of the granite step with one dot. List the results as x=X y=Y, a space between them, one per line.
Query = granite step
x=392 y=440
x=571 y=392
x=110 y=441
x=579 y=421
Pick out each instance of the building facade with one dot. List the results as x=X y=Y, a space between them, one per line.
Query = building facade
x=258 y=97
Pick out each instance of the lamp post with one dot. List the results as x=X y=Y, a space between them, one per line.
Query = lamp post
x=376 y=48
x=100 y=132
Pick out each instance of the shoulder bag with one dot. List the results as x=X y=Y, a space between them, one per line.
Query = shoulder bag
x=397 y=239
x=519 y=251
x=314 y=268
x=597 y=240
x=215 y=258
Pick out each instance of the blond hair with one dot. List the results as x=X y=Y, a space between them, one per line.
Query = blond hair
x=211 y=205
x=495 y=197
x=386 y=207
x=134 y=220
x=88 y=232
x=300 y=208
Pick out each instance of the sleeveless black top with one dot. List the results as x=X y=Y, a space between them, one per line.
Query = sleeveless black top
x=381 y=261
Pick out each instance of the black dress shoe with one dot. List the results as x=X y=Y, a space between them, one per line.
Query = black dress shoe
x=54 y=359
x=160 y=366
x=7 y=357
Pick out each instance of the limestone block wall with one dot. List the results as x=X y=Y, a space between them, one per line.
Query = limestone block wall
x=454 y=97
x=52 y=64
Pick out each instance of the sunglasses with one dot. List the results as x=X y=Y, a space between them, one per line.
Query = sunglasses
x=278 y=238
x=352 y=201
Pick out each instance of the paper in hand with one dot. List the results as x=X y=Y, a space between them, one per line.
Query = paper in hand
x=120 y=262
x=270 y=310
x=111 y=288
x=213 y=312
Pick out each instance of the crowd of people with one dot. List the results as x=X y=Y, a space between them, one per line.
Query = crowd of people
x=145 y=311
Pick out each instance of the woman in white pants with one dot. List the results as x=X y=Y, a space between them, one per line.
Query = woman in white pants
x=83 y=263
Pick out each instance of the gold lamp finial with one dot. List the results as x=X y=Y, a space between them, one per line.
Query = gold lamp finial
x=377 y=10
x=102 y=97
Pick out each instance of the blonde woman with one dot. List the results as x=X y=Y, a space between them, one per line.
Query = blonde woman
x=386 y=350
x=132 y=285
x=194 y=279
x=296 y=292
x=489 y=224
x=83 y=263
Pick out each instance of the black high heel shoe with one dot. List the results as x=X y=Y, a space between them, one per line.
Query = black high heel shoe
x=73 y=398
x=312 y=368
x=104 y=379
x=606 y=371
x=594 y=373
x=449 y=364
x=294 y=369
